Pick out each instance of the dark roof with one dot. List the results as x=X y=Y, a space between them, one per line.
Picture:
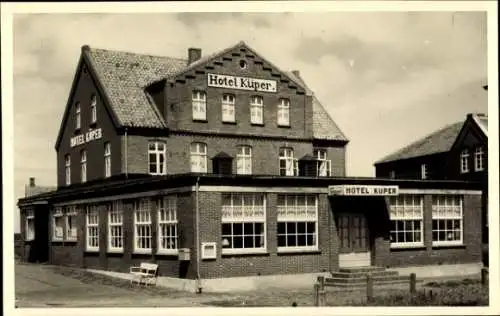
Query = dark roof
x=438 y=142
x=125 y=76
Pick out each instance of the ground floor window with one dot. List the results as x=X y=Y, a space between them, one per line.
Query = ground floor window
x=406 y=215
x=30 y=224
x=447 y=220
x=71 y=231
x=167 y=224
x=57 y=224
x=92 y=228
x=115 y=227
x=142 y=226
x=296 y=234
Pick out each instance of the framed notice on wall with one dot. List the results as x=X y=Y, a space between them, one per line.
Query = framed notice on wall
x=208 y=250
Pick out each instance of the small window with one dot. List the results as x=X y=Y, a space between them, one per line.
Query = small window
x=83 y=165
x=93 y=108
x=199 y=103
x=57 y=224
x=198 y=157
x=479 y=159
x=157 y=152
x=78 y=117
x=228 y=111
x=324 y=165
x=67 y=168
x=71 y=231
x=464 y=161
x=107 y=159
x=256 y=110
x=423 y=171
x=244 y=160
x=243 y=64
x=288 y=164
x=30 y=224
x=284 y=112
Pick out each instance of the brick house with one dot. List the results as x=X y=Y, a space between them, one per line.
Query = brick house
x=226 y=166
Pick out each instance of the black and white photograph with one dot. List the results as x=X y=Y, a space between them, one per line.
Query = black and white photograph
x=322 y=155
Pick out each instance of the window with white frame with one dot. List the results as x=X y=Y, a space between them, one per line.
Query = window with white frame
x=479 y=158
x=57 y=224
x=447 y=220
x=243 y=223
x=228 y=110
x=284 y=112
x=244 y=160
x=297 y=222
x=67 y=168
x=198 y=157
x=115 y=227
x=29 y=218
x=71 y=231
x=288 y=164
x=107 y=159
x=157 y=152
x=142 y=225
x=423 y=171
x=78 y=116
x=324 y=166
x=167 y=224
x=464 y=161
x=256 y=110
x=406 y=213
x=93 y=109
x=199 y=103
x=83 y=165
x=92 y=228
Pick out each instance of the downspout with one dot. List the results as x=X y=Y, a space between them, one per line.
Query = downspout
x=198 y=255
x=126 y=154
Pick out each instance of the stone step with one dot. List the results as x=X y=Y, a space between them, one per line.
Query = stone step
x=361 y=269
x=362 y=280
x=338 y=274
x=379 y=284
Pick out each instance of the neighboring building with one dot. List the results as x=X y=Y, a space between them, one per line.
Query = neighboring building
x=33 y=189
x=226 y=166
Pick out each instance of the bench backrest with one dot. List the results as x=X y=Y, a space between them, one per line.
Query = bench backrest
x=149 y=267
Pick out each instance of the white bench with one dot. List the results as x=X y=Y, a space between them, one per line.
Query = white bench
x=146 y=273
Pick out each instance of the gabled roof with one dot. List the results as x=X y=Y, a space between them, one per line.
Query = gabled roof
x=481 y=121
x=438 y=142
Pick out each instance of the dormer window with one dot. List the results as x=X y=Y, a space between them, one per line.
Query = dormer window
x=464 y=161
x=78 y=117
x=93 y=109
x=228 y=114
x=199 y=103
x=284 y=112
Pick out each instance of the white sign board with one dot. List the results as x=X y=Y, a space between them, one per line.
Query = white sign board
x=86 y=138
x=363 y=190
x=242 y=83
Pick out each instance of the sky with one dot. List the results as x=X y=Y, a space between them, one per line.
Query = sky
x=386 y=78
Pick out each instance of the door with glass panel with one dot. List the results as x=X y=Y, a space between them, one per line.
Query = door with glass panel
x=354 y=249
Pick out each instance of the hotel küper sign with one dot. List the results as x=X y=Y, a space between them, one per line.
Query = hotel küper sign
x=86 y=138
x=241 y=83
x=363 y=190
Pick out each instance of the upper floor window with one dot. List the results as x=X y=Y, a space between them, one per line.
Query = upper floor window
x=93 y=108
x=479 y=159
x=288 y=164
x=464 y=161
x=107 y=159
x=423 y=171
x=228 y=111
x=244 y=160
x=199 y=102
x=157 y=153
x=256 y=110
x=324 y=168
x=284 y=112
x=83 y=165
x=67 y=168
x=78 y=116
x=198 y=157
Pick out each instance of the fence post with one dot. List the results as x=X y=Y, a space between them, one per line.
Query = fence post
x=316 y=294
x=484 y=276
x=321 y=291
x=369 y=287
x=413 y=283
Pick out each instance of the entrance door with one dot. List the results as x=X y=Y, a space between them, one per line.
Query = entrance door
x=354 y=250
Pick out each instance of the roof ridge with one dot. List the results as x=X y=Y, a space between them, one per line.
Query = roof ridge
x=132 y=53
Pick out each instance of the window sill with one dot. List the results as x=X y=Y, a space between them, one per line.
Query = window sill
x=407 y=246
x=71 y=240
x=57 y=240
x=91 y=249
x=284 y=126
x=168 y=252
x=114 y=250
x=200 y=120
x=298 y=249
x=448 y=245
x=256 y=124
x=142 y=251
x=230 y=122
x=232 y=252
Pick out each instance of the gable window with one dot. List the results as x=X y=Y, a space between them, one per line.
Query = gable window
x=199 y=103
x=115 y=227
x=92 y=228
x=392 y=174
x=198 y=157
x=244 y=160
x=71 y=213
x=406 y=215
x=447 y=220
x=157 y=152
x=288 y=164
x=57 y=224
x=324 y=166
x=30 y=224
x=167 y=224
x=284 y=112
x=83 y=165
x=78 y=116
x=423 y=171
x=107 y=159
x=256 y=110
x=464 y=161
x=142 y=224
x=479 y=159
x=228 y=111
x=93 y=109
x=67 y=168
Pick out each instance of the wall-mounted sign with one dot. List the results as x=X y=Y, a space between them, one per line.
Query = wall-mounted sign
x=363 y=190
x=241 y=83
x=208 y=250
x=86 y=138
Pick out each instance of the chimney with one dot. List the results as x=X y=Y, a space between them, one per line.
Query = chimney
x=193 y=55
x=296 y=73
x=32 y=182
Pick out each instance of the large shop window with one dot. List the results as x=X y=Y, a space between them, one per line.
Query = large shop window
x=289 y=166
x=107 y=159
x=243 y=223
x=30 y=224
x=256 y=110
x=198 y=157
x=142 y=223
x=71 y=231
x=92 y=228
x=464 y=161
x=157 y=152
x=244 y=160
x=324 y=167
x=228 y=111
x=167 y=224
x=57 y=224
x=479 y=159
x=406 y=215
x=447 y=220
x=284 y=112
x=297 y=222
x=83 y=165
x=115 y=227
x=199 y=102
x=67 y=168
